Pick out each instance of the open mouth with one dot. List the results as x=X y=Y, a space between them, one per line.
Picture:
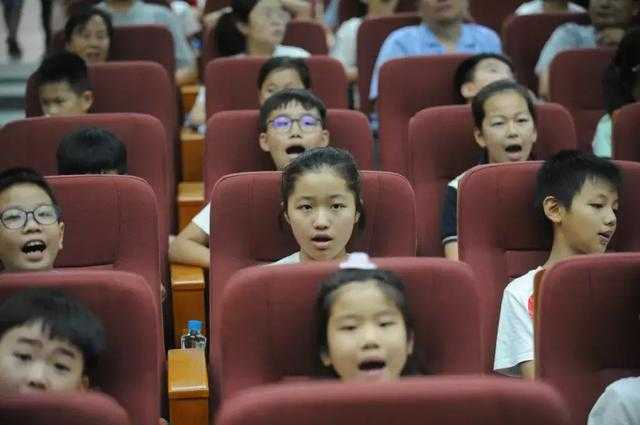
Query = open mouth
x=372 y=365
x=34 y=247
x=321 y=242
x=605 y=237
x=513 y=148
x=295 y=150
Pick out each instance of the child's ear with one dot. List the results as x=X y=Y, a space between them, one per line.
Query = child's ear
x=553 y=209
x=284 y=213
x=61 y=226
x=262 y=141
x=84 y=383
x=243 y=28
x=324 y=358
x=87 y=100
x=468 y=90
x=325 y=138
x=479 y=137
x=358 y=212
x=409 y=343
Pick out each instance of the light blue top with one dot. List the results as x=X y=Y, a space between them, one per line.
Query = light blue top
x=602 y=138
x=566 y=36
x=141 y=13
x=419 y=40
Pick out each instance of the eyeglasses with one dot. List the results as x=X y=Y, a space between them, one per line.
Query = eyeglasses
x=16 y=218
x=283 y=123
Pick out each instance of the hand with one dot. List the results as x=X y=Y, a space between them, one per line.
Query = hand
x=609 y=37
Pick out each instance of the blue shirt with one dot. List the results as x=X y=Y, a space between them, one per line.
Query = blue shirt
x=566 y=36
x=418 y=40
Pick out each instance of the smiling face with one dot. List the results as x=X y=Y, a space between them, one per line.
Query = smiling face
x=367 y=337
x=612 y=13
x=91 y=42
x=30 y=361
x=486 y=72
x=279 y=79
x=321 y=211
x=34 y=246
x=266 y=24
x=443 y=11
x=508 y=130
x=58 y=99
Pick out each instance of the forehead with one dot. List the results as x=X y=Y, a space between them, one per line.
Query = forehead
x=57 y=88
x=267 y=4
x=505 y=101
x=283 y=76
x=320 y=183
x=94 y=22
x=594 y=186
x=360 y=297
x=35 y=331
x=489 y=63
x=23 y=194
x=293 y=109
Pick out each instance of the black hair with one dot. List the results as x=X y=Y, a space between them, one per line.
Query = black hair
x=563 y=175
x=280 y=63
x=390 y=285
x=466 y=70
x=91 y=151
x=64 y=66
x=623 y=72
x=490 y=90
x=23 y=175
x=79 y=20
x=338 y=160
x=284 y=97
x=62 y=316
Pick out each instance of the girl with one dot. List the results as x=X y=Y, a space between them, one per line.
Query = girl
x=322 y=204
x=282 y=73
x=365 y=329
x=88 y=34
x=505 y=127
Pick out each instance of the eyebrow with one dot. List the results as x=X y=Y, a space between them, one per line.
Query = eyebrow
x=385 y=312
x=30 y=341
x=66 y=352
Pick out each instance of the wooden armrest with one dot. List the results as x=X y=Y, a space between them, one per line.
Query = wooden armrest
x=189 y=93
x=187 y=290
x=192 y=149
x=188 y=387
x=190 y=201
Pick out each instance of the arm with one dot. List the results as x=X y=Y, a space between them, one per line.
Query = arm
x=449 y=223
x=186 y=75
x=528 y=370
x=451 y=251
x=190 y=247
x=563 y=38
x=543 y=85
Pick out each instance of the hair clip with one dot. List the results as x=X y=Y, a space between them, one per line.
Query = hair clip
x=358 y=260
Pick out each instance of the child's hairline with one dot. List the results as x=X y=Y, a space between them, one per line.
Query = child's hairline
x=589 y=176
x=497 y=93
x=65 y=79
x=19 y=183
x=321 y=168
x=283 y=67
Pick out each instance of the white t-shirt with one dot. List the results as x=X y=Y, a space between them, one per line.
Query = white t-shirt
x=290 y=259
x=535 y=6
x=619 y=404
x=345 y=46
x=203 y=220
x=514 y=342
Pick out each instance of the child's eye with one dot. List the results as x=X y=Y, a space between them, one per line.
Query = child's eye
x=62 y=367
x=523 y=120
x=496 y=123
x=23 y=357
x=347 y=328
x=387 y=323
x=338 y=206
x=596 y=205
x=304 y=207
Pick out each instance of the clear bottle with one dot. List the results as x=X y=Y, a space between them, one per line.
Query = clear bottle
x=194 y=338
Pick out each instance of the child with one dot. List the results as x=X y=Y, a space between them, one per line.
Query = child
x=31 y=230
x=291 y=122
x=578 y=194
x=365 y=331
x=48 y=342
x=321 y=202
x=505 y=127
x=549 y=6
x=478 y=71
x=88 y=34
x=91 y=151
x=63 y=85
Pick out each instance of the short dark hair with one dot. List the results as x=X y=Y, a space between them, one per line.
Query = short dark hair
x=284 y=97
x=623 y=72
x=466 y=70
x=280 y=63
x=25 y=175
x=62 y=316
x=64 y=66
x=91 y=151
x=79 y=21
x=490 y=90
x=563 y=175
x=229 y=40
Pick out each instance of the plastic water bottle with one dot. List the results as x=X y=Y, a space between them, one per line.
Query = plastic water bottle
x=194 y=338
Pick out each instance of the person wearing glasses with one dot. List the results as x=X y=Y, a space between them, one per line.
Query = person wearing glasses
x=31 y=229
x=291 y=122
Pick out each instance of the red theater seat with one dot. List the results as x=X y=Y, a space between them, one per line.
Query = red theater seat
x=491 y=13
x=501 y=236
x=349 y=9
x=272 y=310
x=232 y=82
x=129 y=369
x=442 y=146
x=587 y=327
x=626 y=133
x=579 y=88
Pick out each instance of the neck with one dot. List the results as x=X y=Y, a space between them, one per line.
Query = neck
x=551 y=6
x=446 y=32
x=559 y=251
x=120 y=4
x=256 y=48
x=306 y=258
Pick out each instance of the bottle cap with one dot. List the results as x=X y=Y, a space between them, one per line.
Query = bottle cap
x=194 y=325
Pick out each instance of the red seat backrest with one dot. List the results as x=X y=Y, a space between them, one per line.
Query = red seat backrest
x=524 y=36
x=626 y=133
x=501 y=236
x=405 y=90
x=350 y=9
x=591 y=304
x=579 y=88
x=232 y=82
x=129 y=368
x=442 y=147
x=273 y=311
x=371 y=34
x=231 y=142
x=492 y=14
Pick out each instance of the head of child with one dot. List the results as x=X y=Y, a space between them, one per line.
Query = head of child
x=63 y=85
x=281 y=73
x=31 y=227
x=251 y=23
x=292 y=121
x=91 y=151
x=88 y=34
x=578 y=194
x=622 y=78
x=48 y=342
x=478 y=71
x=321 y=201
x=365 y=331
x=504 y=122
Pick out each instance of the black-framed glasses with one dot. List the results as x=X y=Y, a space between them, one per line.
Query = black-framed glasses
x=306 y=122
x=16 y=218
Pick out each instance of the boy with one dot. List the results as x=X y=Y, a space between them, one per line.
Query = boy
x=91 y=151
x=63 y=85
x=31 y=231
x=291 y=122
x=48 y=342
x=578 y=194
x=478 y=71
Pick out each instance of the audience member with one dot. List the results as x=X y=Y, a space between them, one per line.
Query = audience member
x=476 y=72
x=91 y=151
x=549 y=6
x=578 y=195
x=618 y=405
x=88 y=34
x=12 y=11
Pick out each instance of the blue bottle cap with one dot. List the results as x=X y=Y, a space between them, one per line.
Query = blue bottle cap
x=194 y=325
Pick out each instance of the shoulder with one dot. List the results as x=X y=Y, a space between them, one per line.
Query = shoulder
x=455 y=182
x=406 y=33
x=351 y=24
x=480 y=30
x=293 y=51
x=522 y=287
x=571 y=28
x=290 y=259
x=530 y=7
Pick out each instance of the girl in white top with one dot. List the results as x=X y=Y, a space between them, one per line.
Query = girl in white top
x=549 y=6
x=322 y=204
